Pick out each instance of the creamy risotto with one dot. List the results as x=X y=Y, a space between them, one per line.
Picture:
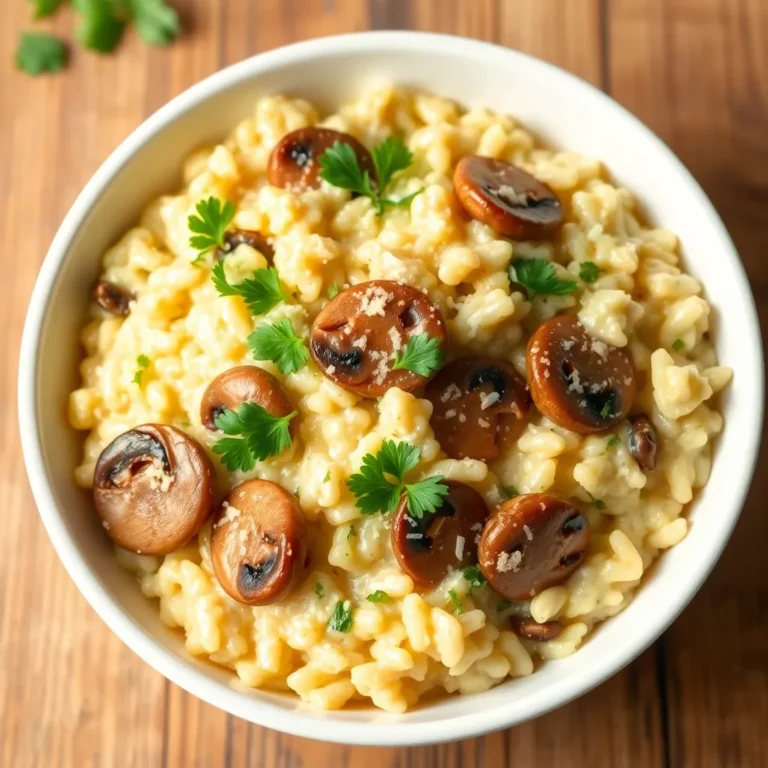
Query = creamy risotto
x=395 y=401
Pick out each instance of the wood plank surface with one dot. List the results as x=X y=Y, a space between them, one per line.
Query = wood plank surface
x=71 y=694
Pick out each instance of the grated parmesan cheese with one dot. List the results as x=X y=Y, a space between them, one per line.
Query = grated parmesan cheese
x=509 y=561
x=486 y=401
x=459 y=547
x=158 y=477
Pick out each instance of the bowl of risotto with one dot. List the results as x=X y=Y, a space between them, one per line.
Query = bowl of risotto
x=390 y=388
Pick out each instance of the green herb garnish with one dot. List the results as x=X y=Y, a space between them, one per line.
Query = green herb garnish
x=422 y=354
x=333 y=291
x=510 y=491
x=376 y=492
x=379 y=596
x=261 y=292
x=340 y=167
x=539 y=276
x=319 y=590
x=277 y=342
x=606 y=411
x=261 y=435
x=210 y=225
x=589 y=271
x=156 y=22
x=455 y=600
x=341 y=618
x=142 y=363
x=45 y=8
x=596 y=503
x=612 y=442
x=474 y=577
x=352 y=532
x=102 y=26
x=39 y=53
x=678 y=344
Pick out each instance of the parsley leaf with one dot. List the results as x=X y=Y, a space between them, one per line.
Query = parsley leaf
x=102 y=27
x=612 y=442
x=455 y=600
x=277 y=342
x=606 y=411
x=210 y=225
x=352 y=532
x=261 y=292
x=510 y=491
x=333 y=291
x=589 y=271
x=341 y=619
x=327 y=476
x=142 y=363
x=379 y=596
x=39 y=53
x=474 y=577
x=503 y=605
x=339 y=166
x=156 y=22
x=45 y=7
x=422 y=355
x=596 y=503
x=540 y=276
x=319 y=590
x=376 y=492
x=262 y=435
x=678 y=344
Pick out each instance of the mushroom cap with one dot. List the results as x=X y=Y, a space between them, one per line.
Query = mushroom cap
x=153 y=488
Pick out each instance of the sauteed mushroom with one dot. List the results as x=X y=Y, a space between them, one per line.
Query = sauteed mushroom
x=526 y=627
x=356 y=335
x=295 y=159
x=427 y=547
x=112 y=298
x=532 y=542
x=579 y=382
x=478 y=403
x=244 y=384
x=259 y=543
x=153 y=488
x=244 y=237
x=643 y=442
x=506 y=198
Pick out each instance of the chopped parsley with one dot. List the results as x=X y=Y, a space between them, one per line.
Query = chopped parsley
x=612 y=442
x=376 y=492
x=277 y=342
x=379 y=596
x=319 y=589
x=333 y=291
x=474 y=577
x=503 y=605
x=142 y=363
x=260 y=292
x=327 y=476
x=340 y=167
x=596 y=503
x=455 y=600
x=422 y=354
x=539 y=276
x=261 y=435
x=589 y=271
x=678 y=344
x=341 y=618
x=510 y=491
x=352 y=532
x=39 y=53
x=606 y=411
x=210 y=225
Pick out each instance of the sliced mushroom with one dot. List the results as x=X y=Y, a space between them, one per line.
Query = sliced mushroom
x=506 y=198
x=643 y=442
x=259 y=543
x=295 y=159
x=526 y=627
x=153 y=489
x=478 y=407
x=113 y=299
x=237 y=237
x=357 y=334
x=428 y=547
x=532 y=542
x=578 y=382
x=244 y=384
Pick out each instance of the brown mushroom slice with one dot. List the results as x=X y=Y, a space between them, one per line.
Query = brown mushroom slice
x=526 y=627
x=478 y=407
x=259 y=543
x=504 y=197
x=427 y=547
x=244 y=384
x=578 y=382
x=643 y=442
x=295 y=159
x=532 y=542
x=238 y=237
x=153 y=489
x=113 y=299
x=357 y=334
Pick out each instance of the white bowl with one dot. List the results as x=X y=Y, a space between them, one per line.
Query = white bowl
x=558 y=106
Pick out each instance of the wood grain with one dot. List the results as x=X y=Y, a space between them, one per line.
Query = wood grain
x=71 y=694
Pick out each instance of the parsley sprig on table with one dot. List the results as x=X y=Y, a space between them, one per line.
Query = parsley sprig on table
x=210 y=225
x=422 y=354
x=260 y=292
x=340 y=167
x=379 y=484
x=254 y=435
x=277 y=342
x=539 y=276
x=102 y=24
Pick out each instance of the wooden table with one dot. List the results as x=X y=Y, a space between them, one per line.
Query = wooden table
x=72 y=695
